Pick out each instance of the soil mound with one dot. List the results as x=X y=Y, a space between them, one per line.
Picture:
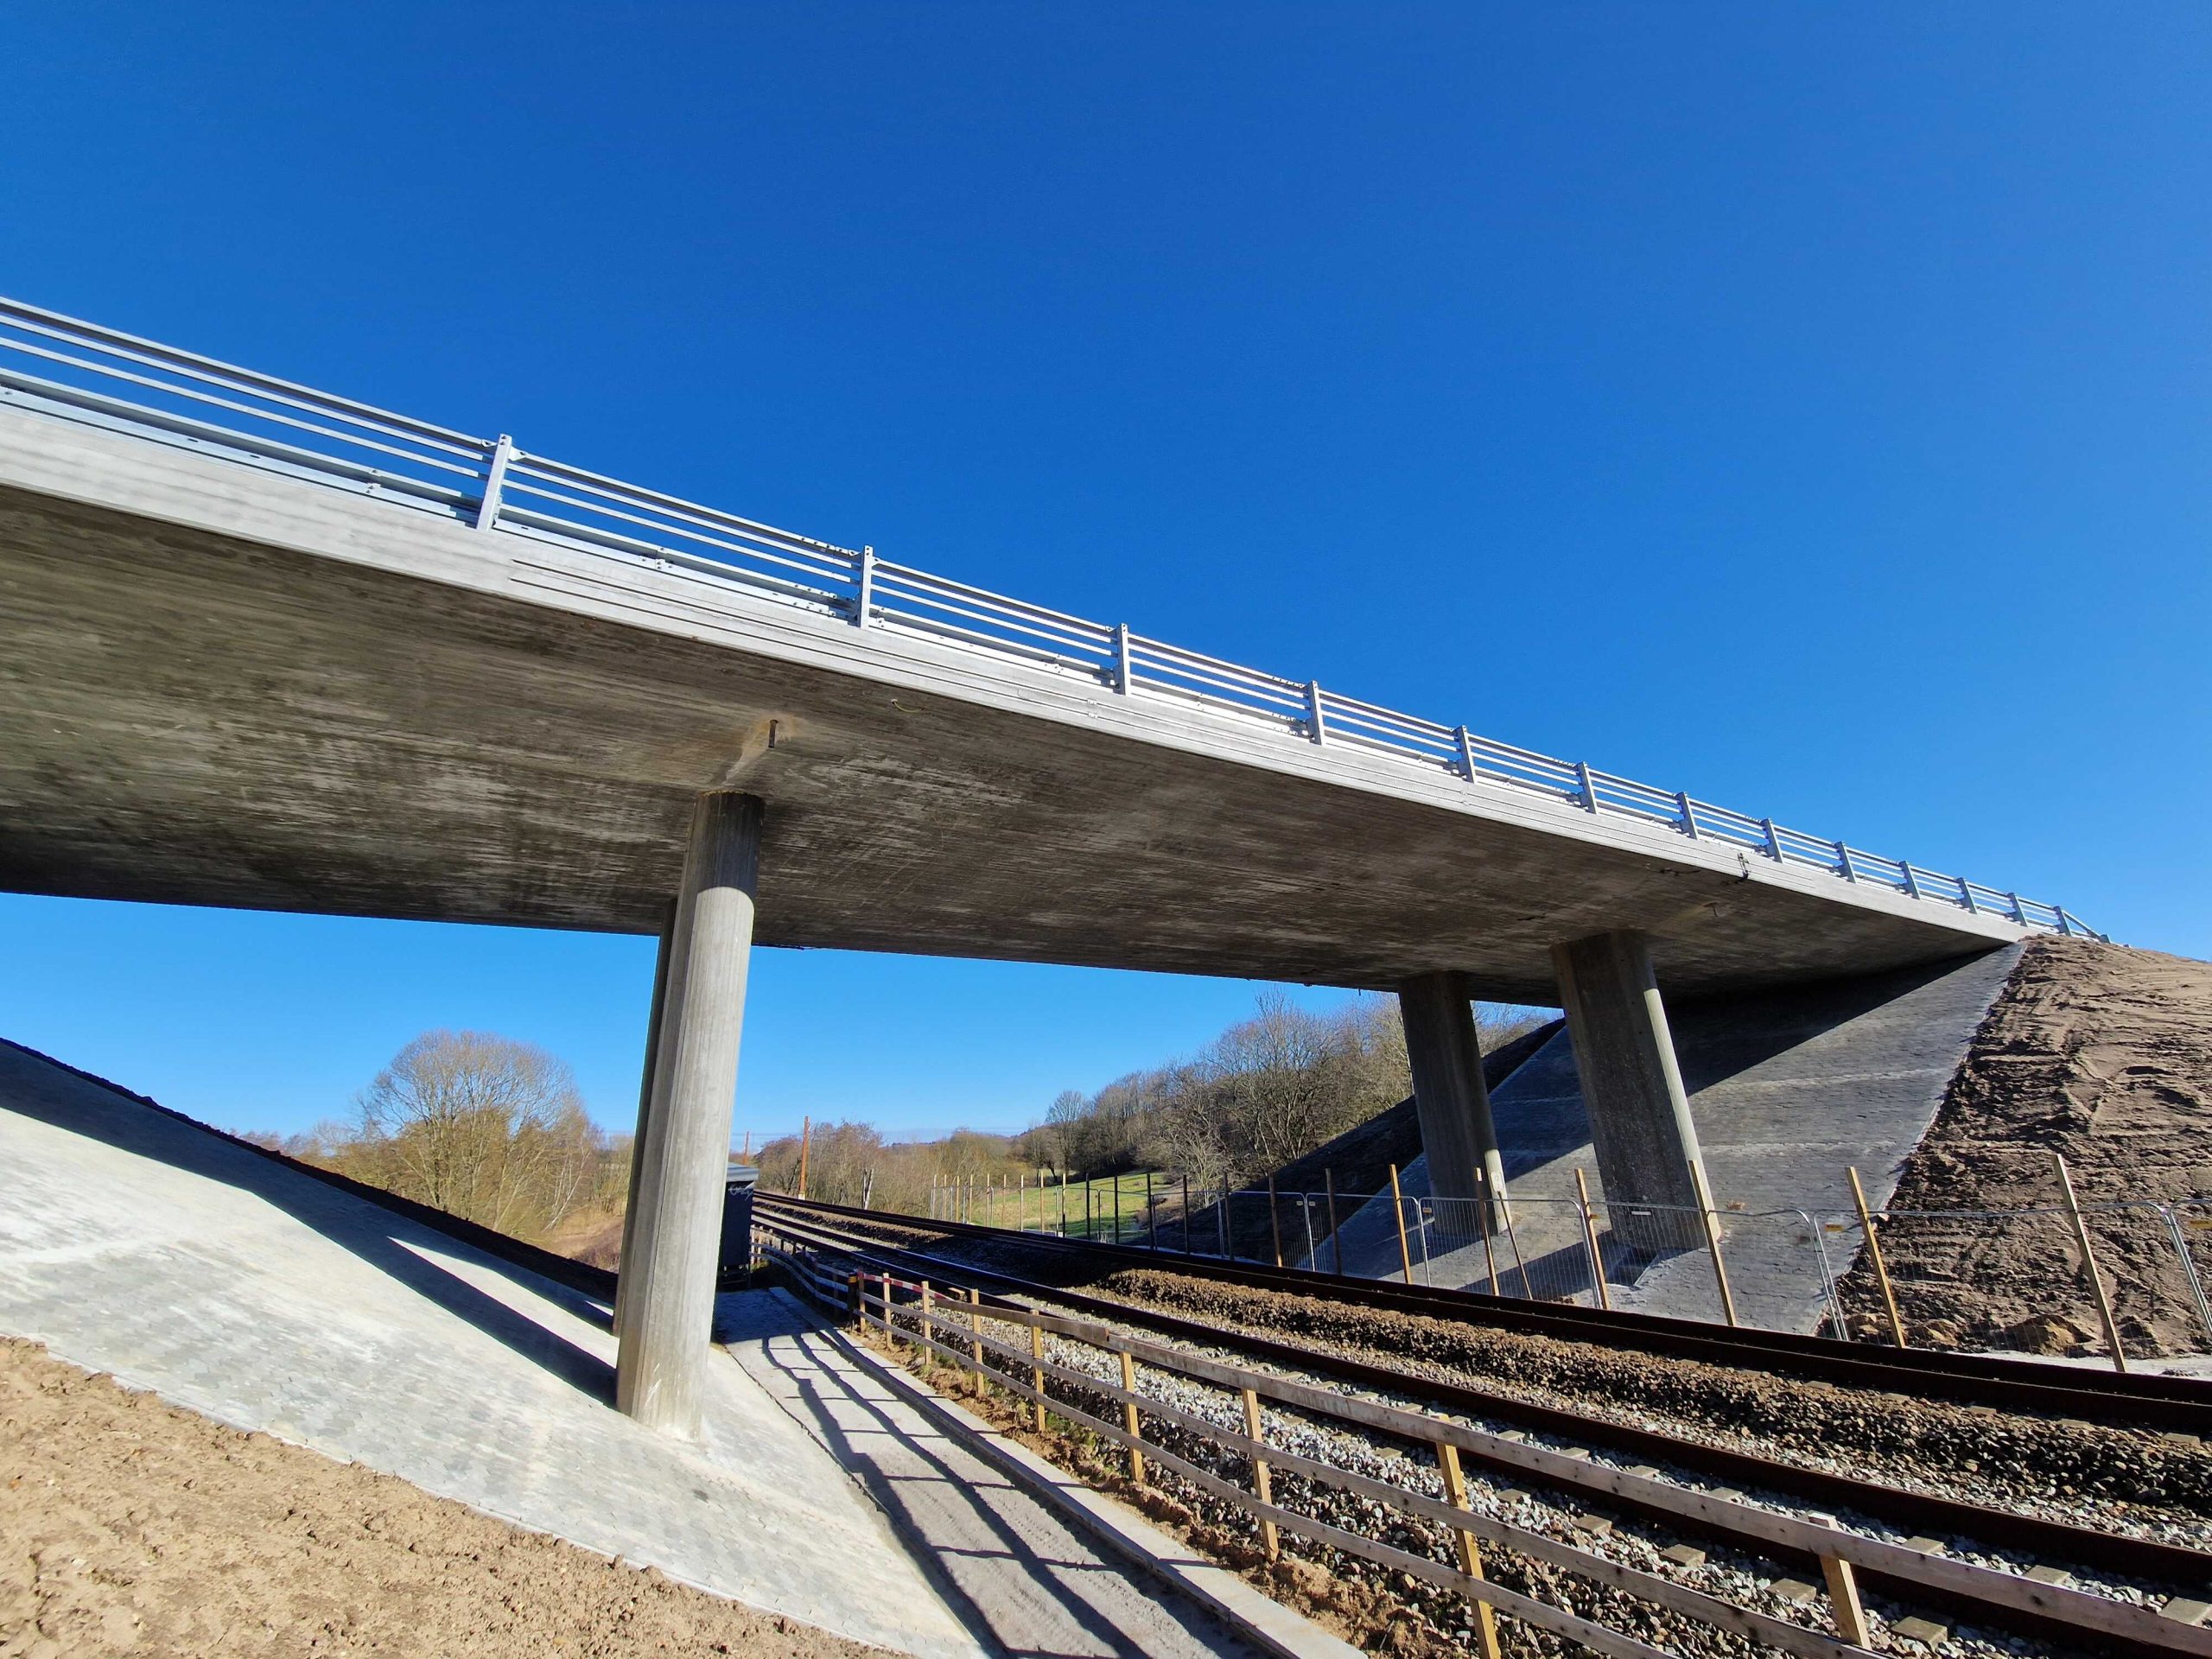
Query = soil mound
x=129 y=1527
x=2102 y=1054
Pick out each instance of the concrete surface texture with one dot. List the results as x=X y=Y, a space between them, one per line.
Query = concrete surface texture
x=134 y=1243
x=672 y=1226
x=1451 y=1098
x=1643 y=1136
x=1787 y=1088
x=224 y=686
x=1024 y=1579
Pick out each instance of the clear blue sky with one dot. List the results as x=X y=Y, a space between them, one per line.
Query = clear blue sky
x=1807 y=406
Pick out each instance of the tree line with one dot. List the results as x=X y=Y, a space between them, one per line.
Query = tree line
x=1269 y=1089
x=495 y=1130
x=487 y=1128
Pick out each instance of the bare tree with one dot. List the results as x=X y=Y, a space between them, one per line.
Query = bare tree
x=482 y=1126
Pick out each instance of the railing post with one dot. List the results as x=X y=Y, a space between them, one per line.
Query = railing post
x=1713 y=1242
x=1129 y=1415
x=1874 y=1255
x=1466 y=752
x=2020 y=913
x=1037 y=1371
x=1843 y=857
x=1911 y=879
x=2089 y=1263
x=1966 y=896
x=1486 y=1209
x=1589 y=1241
x=1125 y=672
x=1470 y=1558
x=1589 y=788
x=2065 y=926
x=1773 y=840
x=975 y=1335
x=1843 y=1600
x=1689 y=818
x=1262 y=1478
x=1315 y=725
x=1336 y=1237
x=1398 y=1209
x=864 y=601
x=495 y=482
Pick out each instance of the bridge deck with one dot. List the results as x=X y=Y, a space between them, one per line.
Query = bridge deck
x=226 y=686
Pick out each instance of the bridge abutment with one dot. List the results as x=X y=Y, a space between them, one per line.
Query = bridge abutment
x=671 y=1246
x=1451 y=1099
x=1640 y=1124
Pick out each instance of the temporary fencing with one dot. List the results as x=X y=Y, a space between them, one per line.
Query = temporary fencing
x=1988 y=1280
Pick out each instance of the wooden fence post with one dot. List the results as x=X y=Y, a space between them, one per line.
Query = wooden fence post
x=2089 y=1264
x=1590 y=1239
x=1470 y=1558
x=1274 y=1219
x=975 y=1335
x=1398 y=1209
x=1874 y=1255
x=1843 y=1600
x=1336 y=1238
x=1713 y=1242
x=1485 y=1223
x=1129 y=1416
x=1037 y=1371
x=928 y=1328
x=1262 y=1478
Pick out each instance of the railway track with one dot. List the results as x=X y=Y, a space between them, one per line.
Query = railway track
x=2023 y=1541
x=2130 y=1400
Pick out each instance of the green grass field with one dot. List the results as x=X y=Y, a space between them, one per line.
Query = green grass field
x=1104 y=1208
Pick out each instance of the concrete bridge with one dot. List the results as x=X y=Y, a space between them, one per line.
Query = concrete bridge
x=271 y=649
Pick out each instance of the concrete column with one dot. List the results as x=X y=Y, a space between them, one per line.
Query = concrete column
x=1639 y=1112
x=1450 y=1097
x=637 y=1201
x=674 y=1236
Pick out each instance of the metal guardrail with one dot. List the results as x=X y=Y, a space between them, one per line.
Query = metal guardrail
x=118 y=381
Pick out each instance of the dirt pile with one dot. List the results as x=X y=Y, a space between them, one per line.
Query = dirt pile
x=129 y=1526
x=2103 y=1055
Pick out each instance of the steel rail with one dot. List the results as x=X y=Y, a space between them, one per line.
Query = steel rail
x=2055 y=1541
x=2131 y=1400
x=1130 y=663
x=2009 y=1597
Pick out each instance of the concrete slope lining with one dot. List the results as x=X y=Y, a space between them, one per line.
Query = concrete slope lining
x=133 y=1243
x=1787 y=1088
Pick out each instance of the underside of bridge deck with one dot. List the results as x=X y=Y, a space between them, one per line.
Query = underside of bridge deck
x=227 y=688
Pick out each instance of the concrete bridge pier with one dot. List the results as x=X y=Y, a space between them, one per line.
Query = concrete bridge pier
x=1451 y=1099
x=1640 y=1122
x=672 y=1237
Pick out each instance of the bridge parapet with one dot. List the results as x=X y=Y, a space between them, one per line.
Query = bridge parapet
x=122 y=382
